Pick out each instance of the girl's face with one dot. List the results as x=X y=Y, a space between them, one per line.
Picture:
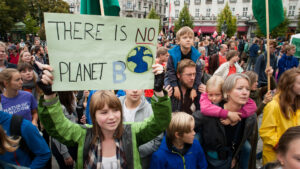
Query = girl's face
x=108 y=119
x=27 y=75
x=15 y=82
x=214 y=95
x=235 y=58
x=291 y=159
x=254 y=85
x=26 y=57
x=2 y=53
x=296 y=87
x=240 y=93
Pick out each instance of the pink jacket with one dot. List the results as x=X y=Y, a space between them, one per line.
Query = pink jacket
x=209 y=109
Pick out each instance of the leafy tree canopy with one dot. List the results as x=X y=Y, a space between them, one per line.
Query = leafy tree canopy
x=185 y=19
x=226 y=16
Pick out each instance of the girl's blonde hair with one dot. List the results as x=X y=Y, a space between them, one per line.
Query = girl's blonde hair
x=21 y=56
x=98 y=102
x=181 y=122
x=7 y=143
x=215 y=82
x=6 y=76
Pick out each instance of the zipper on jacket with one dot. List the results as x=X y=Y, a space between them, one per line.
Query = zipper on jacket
x=182 y=157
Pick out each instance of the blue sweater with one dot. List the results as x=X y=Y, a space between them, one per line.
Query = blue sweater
x=253 y=51
x=34 y=141
x=164 y=158
x=286 y=63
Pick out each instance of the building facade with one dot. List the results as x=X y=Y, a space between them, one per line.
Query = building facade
x=74 y=6
x=205 y=12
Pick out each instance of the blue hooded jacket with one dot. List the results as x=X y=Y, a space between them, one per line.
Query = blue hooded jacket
x=164 y=158
x=286 y=63
x=34 y=141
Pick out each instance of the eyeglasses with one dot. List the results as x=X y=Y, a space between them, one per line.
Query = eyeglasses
x=189 y=74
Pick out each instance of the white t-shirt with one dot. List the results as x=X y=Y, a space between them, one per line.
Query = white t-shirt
x=129 y=114
x=110 y=163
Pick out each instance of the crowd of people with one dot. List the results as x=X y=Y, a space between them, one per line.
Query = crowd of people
x=202 y=113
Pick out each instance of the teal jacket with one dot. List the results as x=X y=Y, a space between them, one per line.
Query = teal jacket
x=135 y=134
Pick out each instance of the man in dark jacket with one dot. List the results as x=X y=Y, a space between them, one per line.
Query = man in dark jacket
x=253 y=54
x=261 y=63
x=217 y=59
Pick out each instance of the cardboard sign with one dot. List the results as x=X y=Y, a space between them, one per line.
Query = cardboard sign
x=296 y=41
x=95 y=52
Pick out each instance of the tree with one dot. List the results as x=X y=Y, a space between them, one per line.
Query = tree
x=153 y=15
x=231 y=21
x=185 y=19
x=298 y=25
x=31 y=25
x=11 y=11
x=38 y=7
x=279 y=31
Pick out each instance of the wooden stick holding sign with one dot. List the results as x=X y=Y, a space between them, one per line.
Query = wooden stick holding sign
x=268 y=42
x=101 y=8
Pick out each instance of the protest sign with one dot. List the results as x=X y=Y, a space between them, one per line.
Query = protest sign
x=295 y=40
x=101 y=52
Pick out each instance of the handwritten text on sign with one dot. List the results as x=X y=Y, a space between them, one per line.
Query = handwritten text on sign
x=95 y=52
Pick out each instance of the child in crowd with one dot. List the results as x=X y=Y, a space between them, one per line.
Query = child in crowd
x=209 y=107
x=184 y=50
x=29 y=79
x=213 y=97
x=179 y=149
x=162 y=56
x=288 y=60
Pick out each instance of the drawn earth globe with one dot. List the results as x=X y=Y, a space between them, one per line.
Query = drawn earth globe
x=139 y=59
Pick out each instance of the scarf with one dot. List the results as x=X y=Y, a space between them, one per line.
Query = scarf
x=94 y=159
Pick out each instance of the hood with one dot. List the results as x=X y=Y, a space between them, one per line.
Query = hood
x=142 y=105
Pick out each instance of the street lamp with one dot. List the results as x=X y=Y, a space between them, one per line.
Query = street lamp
x=71 y=8
x=145 y=11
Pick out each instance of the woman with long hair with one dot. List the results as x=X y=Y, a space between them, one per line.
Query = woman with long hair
x=13 y=99
x=109 y=142
x=281 y=113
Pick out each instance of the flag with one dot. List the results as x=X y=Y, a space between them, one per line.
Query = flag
x=199 y=32
x=276 y=14
x=215 y=34
x=92 y=7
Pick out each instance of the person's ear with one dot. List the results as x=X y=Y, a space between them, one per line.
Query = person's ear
x=6 y=83
x=280 y=159
x=177 y=135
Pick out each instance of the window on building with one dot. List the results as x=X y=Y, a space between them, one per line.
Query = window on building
x=150 y=6
x=197 y=2
x=139 y=15
x=245 y=10
x=176 y=13
x=197 y=12
x=232 y=1
x=232 y=10
x=208 y=1
x=246 y=0
x=160 y=9
x=129 y=5
x=292 y=10
x=176 y=2
x=187 y=2
x=220 y=1
x=208 y=12
x=140 y=5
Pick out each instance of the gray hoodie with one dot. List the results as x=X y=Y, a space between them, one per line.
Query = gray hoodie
x=144 y=111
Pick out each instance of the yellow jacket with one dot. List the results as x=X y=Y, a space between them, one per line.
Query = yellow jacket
x=273 y=125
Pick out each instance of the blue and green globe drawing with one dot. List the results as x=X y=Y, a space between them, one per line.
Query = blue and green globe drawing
x=139 y=59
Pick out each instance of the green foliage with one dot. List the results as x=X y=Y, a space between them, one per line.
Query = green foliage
x=185 y=19
x=11 y=11
x=153 y=15
x=231 y=21
x=38 y=7
x=279 y=31
x=31 y=25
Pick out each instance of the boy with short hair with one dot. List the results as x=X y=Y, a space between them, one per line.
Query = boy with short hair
x=184 y=50
x=162 y=56
x=179 y=149
x=288 y=60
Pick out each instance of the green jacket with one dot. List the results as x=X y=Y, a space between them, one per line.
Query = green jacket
x=135 y=134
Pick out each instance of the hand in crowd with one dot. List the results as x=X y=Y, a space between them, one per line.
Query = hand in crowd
x=193 y=94
x=225 y=122
x=83 y=119
x=269 y=71
x=69 y=161
x=268 y=97
x=158 y=71
x=202 y=88
x=233 y=163
x=234 y=116
x=169 y=89
x=177 y=93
